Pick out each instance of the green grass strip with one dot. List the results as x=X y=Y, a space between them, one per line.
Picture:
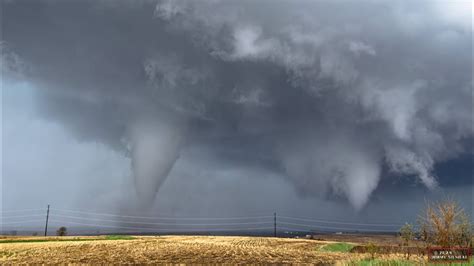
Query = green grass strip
x=118 y=237
x=4 y=241
x=337 y=247
x=377 y=262
x=108 y=237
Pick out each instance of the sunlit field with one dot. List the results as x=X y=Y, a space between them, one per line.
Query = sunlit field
x=167 y=249
x=192 y=249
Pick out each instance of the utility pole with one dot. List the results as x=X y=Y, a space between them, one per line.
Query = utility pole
x=46 y=226
x=274 y=224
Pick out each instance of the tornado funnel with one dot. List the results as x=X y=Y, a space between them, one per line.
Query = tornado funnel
x=154 y=149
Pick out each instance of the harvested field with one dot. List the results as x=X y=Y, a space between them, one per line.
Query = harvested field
x=361 y=238
x=172 y=249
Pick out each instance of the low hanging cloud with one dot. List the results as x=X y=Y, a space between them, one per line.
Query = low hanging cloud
x=336 y=91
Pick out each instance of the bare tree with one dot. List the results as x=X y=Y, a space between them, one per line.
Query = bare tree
x=464 y=232
x=445 y=224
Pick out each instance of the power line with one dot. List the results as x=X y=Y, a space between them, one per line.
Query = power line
x=24 y=210
x=165 y=230
x=20 y=222
x=258 y=220
x=336 y=222
x=21 y=216
x=167 y=218
x=175 y=224
x=335 y=228
x=229 y=218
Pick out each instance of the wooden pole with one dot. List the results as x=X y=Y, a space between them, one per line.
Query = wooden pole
x=46 y=226
x=274 y=224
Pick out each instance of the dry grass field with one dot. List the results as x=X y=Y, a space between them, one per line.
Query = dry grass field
x=170 y=249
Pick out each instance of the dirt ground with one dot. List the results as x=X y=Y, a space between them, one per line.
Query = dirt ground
x=174 y=249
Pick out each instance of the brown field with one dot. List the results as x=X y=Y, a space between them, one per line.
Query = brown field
x=172 y=249
x=360 y=238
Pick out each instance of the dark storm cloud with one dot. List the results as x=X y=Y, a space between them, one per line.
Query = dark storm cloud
x=326 y=93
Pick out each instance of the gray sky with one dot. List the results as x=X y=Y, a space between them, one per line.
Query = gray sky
x=344 y=110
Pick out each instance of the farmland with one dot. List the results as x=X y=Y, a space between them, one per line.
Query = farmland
x=182 y=249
